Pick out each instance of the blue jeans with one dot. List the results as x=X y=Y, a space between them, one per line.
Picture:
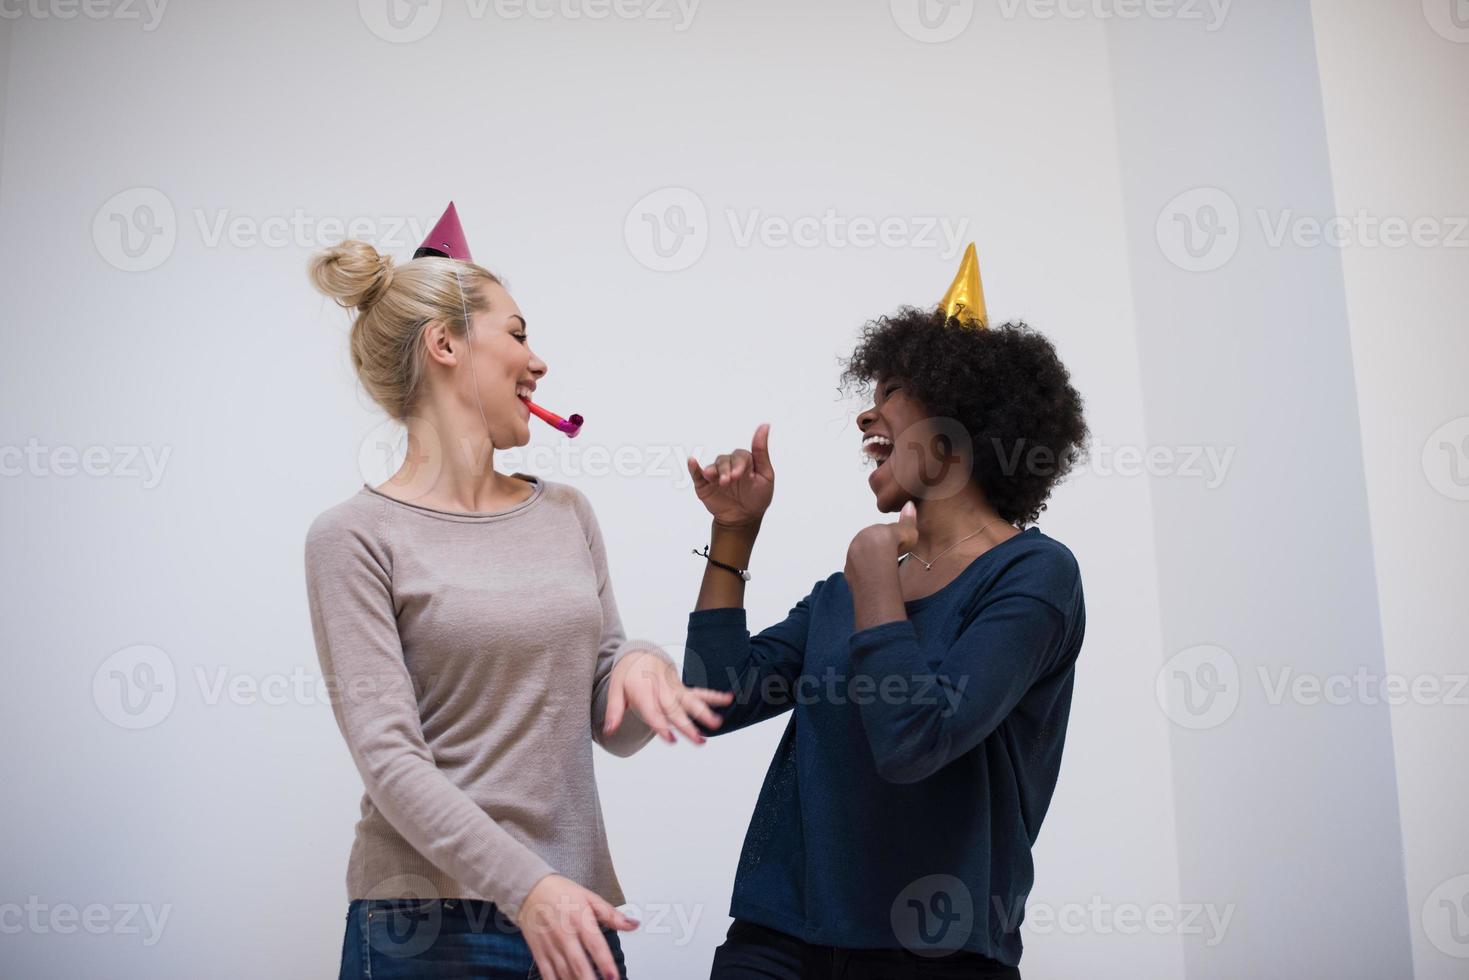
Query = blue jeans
x=424 y=938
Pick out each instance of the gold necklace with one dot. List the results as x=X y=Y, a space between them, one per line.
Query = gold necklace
x=928 y=565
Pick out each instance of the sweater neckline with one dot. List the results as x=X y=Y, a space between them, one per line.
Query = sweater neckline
x=913 y=605
x=476 y=516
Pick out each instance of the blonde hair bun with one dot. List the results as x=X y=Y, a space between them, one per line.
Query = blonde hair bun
x=353 y=273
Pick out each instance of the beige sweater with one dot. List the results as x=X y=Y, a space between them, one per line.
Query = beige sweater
x=468 y=657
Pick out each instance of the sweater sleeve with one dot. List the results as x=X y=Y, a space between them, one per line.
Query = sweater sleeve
x=348 y=585
x=761 y=670
x=942 y=707
x=633 y=733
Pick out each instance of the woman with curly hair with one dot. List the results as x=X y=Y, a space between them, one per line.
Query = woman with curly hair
x=929 y=681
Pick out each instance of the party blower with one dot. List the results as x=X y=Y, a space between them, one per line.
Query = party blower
x=569 y=426
x=447 y=241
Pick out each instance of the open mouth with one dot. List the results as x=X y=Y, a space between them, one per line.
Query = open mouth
x=523 y=392
x=877 y=448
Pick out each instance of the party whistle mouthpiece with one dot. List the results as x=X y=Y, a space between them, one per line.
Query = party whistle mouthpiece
x=569 y=426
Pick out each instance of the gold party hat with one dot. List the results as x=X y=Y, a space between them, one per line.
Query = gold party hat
x=965 y=299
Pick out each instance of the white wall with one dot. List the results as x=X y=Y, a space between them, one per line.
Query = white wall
x=233 y=816
x=1394 y=77
x=1285 y=803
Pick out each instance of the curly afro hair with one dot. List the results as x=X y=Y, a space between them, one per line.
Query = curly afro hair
x=1006 y=386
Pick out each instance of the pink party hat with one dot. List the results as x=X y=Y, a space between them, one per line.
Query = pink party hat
x=447 y=239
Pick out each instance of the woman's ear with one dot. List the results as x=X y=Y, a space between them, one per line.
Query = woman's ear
x=438 y=342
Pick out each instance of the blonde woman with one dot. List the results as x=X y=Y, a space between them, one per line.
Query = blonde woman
x=465 y=622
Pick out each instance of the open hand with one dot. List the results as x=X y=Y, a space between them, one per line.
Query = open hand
x=652 y=687
x=562 y=923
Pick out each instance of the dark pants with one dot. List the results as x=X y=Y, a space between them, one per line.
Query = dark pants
x=752 y=952
x=424 y=938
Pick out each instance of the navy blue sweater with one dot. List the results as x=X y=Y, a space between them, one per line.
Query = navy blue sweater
x=920 y=757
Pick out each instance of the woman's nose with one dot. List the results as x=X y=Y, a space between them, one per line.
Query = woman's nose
x=867 y=418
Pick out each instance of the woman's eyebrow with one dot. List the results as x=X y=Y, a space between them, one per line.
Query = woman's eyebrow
x=523 y=324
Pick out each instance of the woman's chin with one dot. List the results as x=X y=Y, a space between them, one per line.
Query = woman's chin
x=889 y=495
